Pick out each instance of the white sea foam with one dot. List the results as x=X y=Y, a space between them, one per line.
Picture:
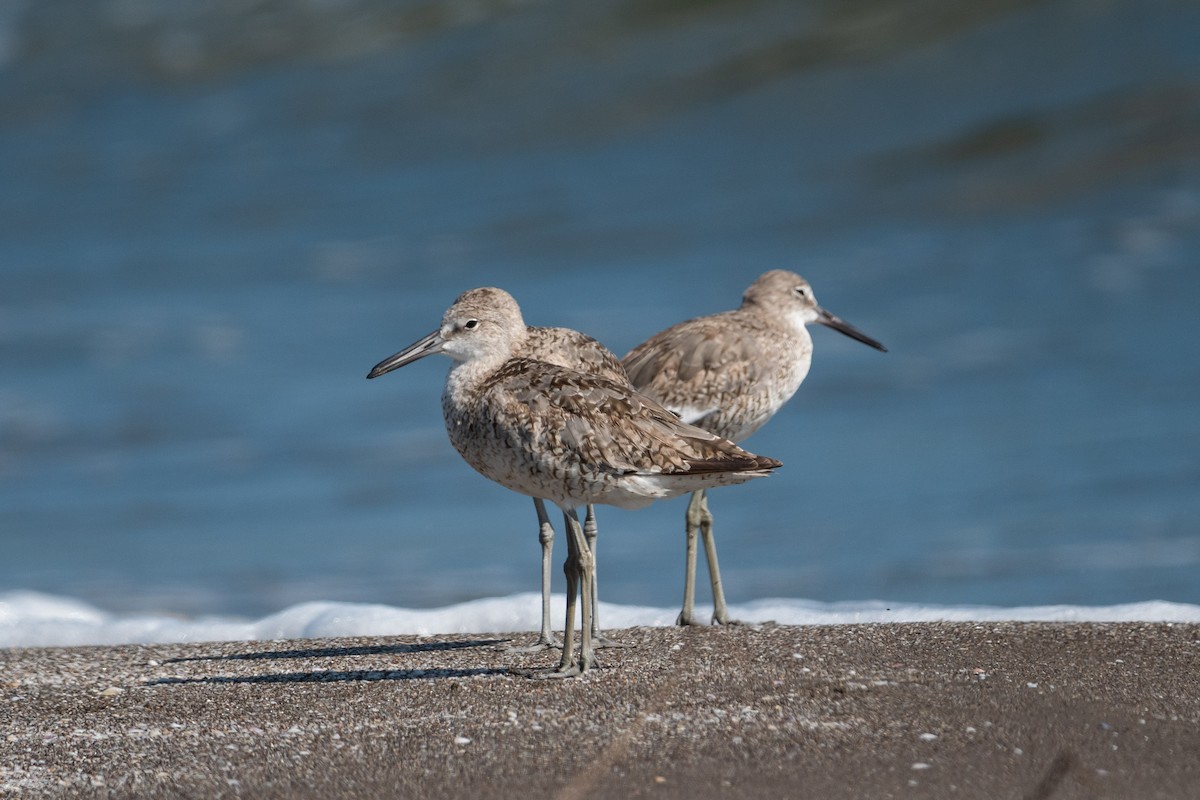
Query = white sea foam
x=33 y=619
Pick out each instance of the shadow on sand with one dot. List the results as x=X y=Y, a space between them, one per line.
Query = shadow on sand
x=337 y=676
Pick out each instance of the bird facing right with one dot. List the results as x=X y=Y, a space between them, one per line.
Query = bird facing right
x=728 y=373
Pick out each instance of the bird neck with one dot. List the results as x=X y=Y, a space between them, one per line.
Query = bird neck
x=465 y=376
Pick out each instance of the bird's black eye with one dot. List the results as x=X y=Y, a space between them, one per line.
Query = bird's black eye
x=471 y=324
x=802 y=291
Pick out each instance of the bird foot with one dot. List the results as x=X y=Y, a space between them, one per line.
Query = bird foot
x=600 y=640
x=537 y=647
x=572 y=670
x=555 y=674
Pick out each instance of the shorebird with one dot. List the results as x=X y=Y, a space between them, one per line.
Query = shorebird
x=562 y=435
x=729 y=373
x=577 y=351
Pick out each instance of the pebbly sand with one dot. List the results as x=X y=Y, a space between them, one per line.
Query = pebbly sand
x=995 y=710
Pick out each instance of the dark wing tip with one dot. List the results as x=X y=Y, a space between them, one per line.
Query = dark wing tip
x=741 y=462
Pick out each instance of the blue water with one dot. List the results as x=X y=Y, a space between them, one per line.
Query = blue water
x=212 y=226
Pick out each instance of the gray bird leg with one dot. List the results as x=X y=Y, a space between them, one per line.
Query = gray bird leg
x=580 y=574
x=590 y=531
x=587 y=587
x=720 y=610
x=567 y=667
x=687 y=616
x=546 y=638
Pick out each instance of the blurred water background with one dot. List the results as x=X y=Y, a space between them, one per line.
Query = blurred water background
x=216 y=216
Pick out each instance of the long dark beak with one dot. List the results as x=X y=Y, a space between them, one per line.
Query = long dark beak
x=841 y=326
x=433 y=343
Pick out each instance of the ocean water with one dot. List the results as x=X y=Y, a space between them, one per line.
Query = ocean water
x=213 y=221
x=32 y=619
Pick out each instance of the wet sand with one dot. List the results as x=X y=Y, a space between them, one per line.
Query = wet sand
x=996 y=710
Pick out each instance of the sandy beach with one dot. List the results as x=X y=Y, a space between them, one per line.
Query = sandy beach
x=996 y=710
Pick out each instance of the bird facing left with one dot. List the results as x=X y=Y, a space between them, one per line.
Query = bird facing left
x=572 y=438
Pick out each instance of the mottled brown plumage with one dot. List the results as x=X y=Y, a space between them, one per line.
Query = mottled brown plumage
x=572 y=438
x=573 y=350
